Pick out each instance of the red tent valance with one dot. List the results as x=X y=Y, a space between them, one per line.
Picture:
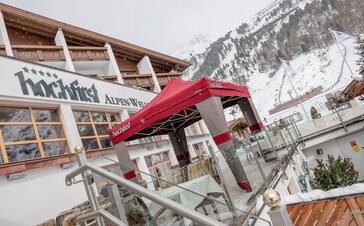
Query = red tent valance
x=175 y=107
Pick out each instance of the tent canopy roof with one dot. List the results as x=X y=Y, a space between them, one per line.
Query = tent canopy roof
x=174 y=108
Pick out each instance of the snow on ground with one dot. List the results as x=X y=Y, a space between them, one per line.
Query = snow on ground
x=319 y=194
x=319 y=67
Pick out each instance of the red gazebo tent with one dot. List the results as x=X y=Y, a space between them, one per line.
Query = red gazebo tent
x=180 y=104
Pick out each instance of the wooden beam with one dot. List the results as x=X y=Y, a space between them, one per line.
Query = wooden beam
x=53 y=25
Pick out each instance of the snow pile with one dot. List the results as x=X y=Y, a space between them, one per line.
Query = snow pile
x=315 y=195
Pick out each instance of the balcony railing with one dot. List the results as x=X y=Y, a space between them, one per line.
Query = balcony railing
x=2 y=50
x=164 y=78
x=144 y=80
x=38 y=53
x=81 y=53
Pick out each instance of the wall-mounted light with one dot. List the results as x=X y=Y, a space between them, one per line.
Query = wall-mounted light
x=319 y=151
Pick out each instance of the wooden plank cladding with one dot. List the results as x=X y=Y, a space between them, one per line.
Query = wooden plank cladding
x=82 y=53
x=347 y=210
x=38 y=53
x=144 y=80
x=2 y=50
x=164 y=78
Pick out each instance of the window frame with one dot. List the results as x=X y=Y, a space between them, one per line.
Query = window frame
x=153 y=166
x=34 y=124
x=93 y=125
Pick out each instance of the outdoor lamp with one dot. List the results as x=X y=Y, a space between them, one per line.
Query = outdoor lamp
x=302 y=180
x=305 y=166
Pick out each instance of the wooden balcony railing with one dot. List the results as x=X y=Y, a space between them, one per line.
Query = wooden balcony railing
x=347 y=210
x=38 y=53
x=144 y=80
x=164 y=78
x=82 y=53
x=2 y=50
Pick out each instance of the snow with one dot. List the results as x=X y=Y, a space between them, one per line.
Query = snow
x=319 y=194
x=319 y=67
x=196 y=46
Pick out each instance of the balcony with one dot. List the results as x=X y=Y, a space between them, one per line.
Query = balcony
x=164 y=78
x=144 y=80
x=38 y=53
x=81 y=53
x=2 y=50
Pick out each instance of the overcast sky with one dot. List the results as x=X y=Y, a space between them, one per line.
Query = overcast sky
x=161 y=25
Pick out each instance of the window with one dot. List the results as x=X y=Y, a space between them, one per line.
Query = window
x=150 y=139
x=198 y=148
x=158 y=165
x=191 y=130
x=101 y=183
x=28 y=133
x=93 y=128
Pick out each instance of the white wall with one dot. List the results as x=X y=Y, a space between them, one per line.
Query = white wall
x=40 y=195
x=328 y=147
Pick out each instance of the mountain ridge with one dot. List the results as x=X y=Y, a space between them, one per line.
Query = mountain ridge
x=284 y=29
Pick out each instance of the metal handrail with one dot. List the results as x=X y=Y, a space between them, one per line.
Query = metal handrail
x=248 y=214
x=165 y=202
x=99 y=213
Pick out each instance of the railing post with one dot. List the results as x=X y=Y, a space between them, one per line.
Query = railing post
x=280 y=133
x=88 y=183
x=271 y=143
x=115 y=199
x=278 y=214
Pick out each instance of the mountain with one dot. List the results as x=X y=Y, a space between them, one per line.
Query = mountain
x=294 y=30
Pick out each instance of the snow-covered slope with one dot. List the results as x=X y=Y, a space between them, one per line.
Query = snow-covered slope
x=197 y=45
x=321 y=67
x=294 y=30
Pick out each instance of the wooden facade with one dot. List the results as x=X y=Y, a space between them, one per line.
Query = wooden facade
x=32 y=38
x=164 y=78
x=2 y=50
x=81 y=53
x=355 y=88
x=144 y=81
x=347 y=210
x=38 y=53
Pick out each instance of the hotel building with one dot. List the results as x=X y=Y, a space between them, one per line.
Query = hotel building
x=62 y=86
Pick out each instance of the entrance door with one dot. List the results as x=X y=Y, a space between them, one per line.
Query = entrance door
x=352 y=147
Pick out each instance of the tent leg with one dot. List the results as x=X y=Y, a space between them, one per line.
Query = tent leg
x=126 y=165
x=212 y=113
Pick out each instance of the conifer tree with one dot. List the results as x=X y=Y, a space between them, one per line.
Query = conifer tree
x=334 y=173
x=314 y=113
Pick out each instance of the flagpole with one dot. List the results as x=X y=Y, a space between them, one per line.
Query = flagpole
x=332 y=35
x=294 y=89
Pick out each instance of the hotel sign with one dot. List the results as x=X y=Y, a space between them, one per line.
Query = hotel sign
x=22 y=79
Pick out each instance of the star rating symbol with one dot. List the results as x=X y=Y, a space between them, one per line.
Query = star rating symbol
x=41 y=72
x=25 y=69
x=34 y=71
x=54 y=75
x=49 y=74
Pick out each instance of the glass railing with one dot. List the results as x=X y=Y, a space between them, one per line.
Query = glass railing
x=262 y=154
x=203 y=195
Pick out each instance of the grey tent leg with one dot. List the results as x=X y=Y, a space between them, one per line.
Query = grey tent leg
x=212 y=113
x=250 y=114
x=126 y=165
x=180 y=146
